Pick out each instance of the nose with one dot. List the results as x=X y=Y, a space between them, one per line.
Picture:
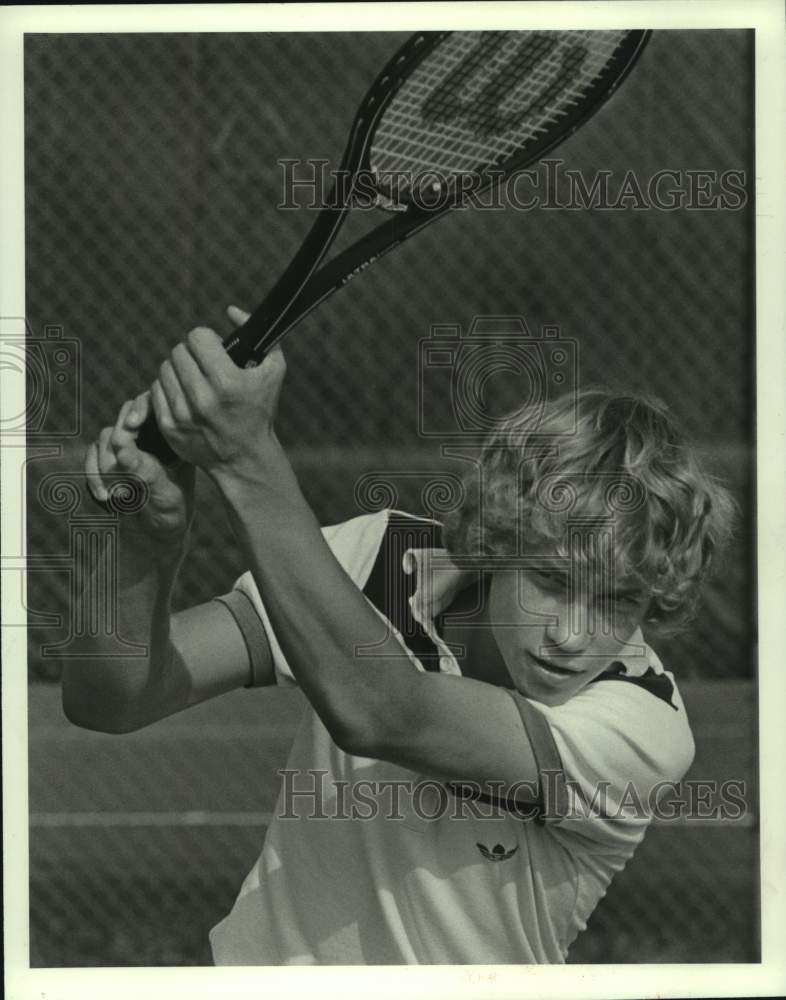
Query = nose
x=569 y=630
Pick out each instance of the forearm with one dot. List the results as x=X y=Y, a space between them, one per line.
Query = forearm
x=115 y=692
x=321 y=619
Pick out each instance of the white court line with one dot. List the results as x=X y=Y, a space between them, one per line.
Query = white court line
x=200 y=817
x=196 y=817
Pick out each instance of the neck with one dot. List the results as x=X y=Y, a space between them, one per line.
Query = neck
x=466 y=627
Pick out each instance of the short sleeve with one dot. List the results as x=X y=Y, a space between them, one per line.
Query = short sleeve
x=354 y=543
x=605 y=757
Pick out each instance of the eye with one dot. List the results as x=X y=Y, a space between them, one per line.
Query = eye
x=627 y=608
x=619 y=604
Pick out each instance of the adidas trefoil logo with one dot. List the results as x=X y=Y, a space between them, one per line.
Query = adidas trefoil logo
x=497 y=852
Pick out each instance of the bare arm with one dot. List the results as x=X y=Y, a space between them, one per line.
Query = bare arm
x=186 y=657
x=191 y=656
x=379 y=706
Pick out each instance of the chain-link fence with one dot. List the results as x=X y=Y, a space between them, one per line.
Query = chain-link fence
x=139 y=844
x=152 y=190
x=152 y=186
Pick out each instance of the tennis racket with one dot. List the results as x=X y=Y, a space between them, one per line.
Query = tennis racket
x=452 y=113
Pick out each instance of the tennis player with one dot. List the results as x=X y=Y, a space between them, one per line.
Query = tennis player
x=487 y=730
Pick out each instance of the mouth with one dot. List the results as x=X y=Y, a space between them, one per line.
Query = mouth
x=551 y=668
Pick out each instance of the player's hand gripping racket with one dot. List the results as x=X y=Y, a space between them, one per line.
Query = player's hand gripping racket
x=452 y=113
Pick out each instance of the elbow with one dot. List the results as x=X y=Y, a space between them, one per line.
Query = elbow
x=356 y=742
x=109 y=723
x=98 y=716
x=369 y=734
x=371 y=720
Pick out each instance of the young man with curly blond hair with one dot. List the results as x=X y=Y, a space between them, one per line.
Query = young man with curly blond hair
x=485 y=682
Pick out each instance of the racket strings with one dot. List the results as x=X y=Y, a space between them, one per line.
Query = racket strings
x=488 y=73
x=462 y=143
x=481 y=97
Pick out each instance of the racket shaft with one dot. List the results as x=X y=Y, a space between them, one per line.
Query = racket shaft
x=248 y=345
x=302 y=287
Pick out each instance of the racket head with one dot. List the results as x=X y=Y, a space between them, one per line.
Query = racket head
x=484 y=104
x=477 y=105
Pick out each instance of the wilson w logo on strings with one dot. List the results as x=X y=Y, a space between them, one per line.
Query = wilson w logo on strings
x=540 y=67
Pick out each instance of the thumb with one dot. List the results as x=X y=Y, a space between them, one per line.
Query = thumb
x=274 y=367
x=269 y=377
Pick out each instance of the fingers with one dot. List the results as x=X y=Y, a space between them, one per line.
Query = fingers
x=237 y=315
x=106 y=454
x=196 y=387
x=207 y=349
x=94 y=483
x=113 y=451
x=138 y=413
x=164 y=417
x=198 y=391
x=120 y=432
x=177 y=402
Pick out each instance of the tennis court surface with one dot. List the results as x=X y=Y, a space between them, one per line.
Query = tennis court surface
x=139 y=843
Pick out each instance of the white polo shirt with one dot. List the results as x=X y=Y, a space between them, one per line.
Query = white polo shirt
x=366 y=862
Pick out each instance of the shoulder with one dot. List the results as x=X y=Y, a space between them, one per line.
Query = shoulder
x=369 y=549
x=625 y=728
x=607 y=756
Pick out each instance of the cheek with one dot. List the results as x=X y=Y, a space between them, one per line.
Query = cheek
x=627 y=620
x=501 y=607
x=617 y=614
x=499 y=614
x=515 y=603
x=624 y=625
x=505 y=616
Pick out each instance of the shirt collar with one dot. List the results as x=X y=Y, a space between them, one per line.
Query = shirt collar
x=439 y=580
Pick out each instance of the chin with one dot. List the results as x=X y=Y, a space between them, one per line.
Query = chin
x=550 y=698
x=557 y=695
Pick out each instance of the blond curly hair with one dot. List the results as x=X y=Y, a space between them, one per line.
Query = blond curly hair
x=598 y=457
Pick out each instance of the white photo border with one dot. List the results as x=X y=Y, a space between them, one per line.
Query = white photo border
x=720 y=980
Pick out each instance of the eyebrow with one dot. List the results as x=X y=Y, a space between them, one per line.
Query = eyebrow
x=632 y=587
x=636 y=592
x=556 y=566
x=626 y=590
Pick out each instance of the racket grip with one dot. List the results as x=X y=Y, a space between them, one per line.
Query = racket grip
x=128 y=494
x=151 y=440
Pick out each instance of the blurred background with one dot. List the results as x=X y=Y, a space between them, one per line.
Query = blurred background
x=152 y=186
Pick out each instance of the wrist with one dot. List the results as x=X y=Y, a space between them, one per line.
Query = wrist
x=264 y=473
